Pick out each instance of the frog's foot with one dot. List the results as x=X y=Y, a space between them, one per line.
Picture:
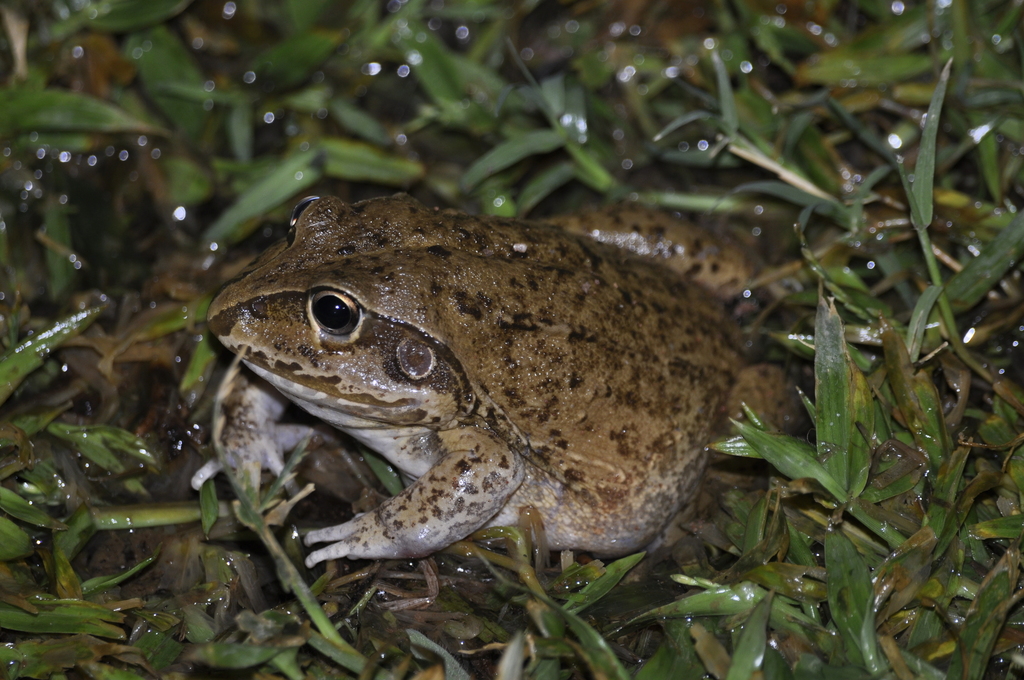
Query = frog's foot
x=454 y=498
x=252 y=437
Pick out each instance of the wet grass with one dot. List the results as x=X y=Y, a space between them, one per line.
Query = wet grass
x=871 y=152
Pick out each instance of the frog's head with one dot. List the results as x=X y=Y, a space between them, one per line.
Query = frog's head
x=320 y=316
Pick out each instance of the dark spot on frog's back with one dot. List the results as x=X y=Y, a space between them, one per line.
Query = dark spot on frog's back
x=572 y=475
x=462 y=304
x=581 y=334
x=439 y=251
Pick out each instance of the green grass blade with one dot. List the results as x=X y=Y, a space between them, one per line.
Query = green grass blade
x=919 y=319
x=208 y=506
x=917 y=399
x=544 y=184
x=598 y=588
x=967 y=287
x=291 y=61
x=357 y=161
x=123 y=16
x=283 y=181
x=358 y=122
x=101 y=583
x=924 y=170
x=832 y=393
x=726 y=98
x=510 y=152
x=985 y=619
x=29 y=354
x=14 y=542
x=17 y=507
x=453 y=670
x=232 y=655
x=850 y=599
x=790 y=456
x=63 y=111
x=675 y=657
x=598 y=654
x=64 y=616
x=748 y=654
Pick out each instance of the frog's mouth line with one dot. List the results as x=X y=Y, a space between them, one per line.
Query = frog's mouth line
x=352 y=411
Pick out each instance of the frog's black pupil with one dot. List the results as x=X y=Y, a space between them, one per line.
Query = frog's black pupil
x=335 y=314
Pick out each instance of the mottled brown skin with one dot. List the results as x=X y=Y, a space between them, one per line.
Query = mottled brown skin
x=565 y=374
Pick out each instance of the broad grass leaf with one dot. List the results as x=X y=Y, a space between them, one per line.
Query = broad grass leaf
x=17 y=507
x=919 y=320
x=28 y=355
x=279 y=183
x=598 y=588
x=14 y=542
x=790 y=456
x=748 y=653
x=544 y=184
x=64 y=616
x=99 y=443
x=850 y=599
x=162 y=60
x=510 y=152
x=840 y=66
x=996 y=595
x=916 y=397
x=293 y=60
x=924 y=171
x=122 y=16
x=1002 y=527
x=358 y=122
x=358 y=161
x=791 y=580
x=232 y=655
x=676 y=656
x=967 y=287
x=63 y=111
x=832 y=393
x=904 y=572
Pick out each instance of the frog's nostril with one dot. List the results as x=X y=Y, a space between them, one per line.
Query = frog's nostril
x=259 y=308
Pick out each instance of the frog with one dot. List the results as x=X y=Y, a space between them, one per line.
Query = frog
x=573 y=366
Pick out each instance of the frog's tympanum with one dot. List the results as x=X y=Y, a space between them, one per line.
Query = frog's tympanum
x=499 y=364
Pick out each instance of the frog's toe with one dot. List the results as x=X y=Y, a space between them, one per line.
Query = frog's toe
x=209 y=470
x=332 y=552
x=336 y=533
x=362 y=537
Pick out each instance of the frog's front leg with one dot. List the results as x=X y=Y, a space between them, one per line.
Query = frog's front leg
x=251 y=435
x=455 y=497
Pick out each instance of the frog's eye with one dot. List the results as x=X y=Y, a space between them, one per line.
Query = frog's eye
x=335 y=312
x=300 y=207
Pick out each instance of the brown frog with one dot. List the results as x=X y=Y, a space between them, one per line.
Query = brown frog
x=499 y=364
